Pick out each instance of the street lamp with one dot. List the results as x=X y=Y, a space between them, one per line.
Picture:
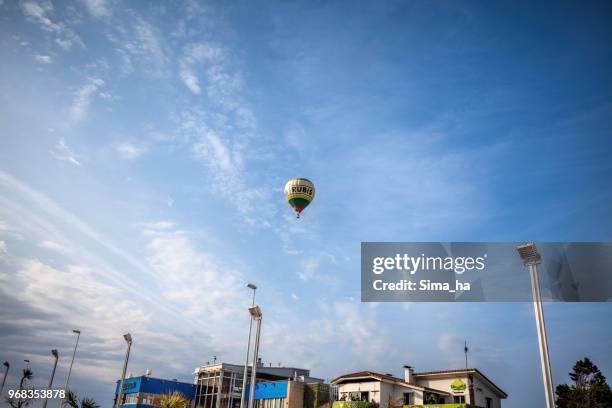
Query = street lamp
x=253 y=287
x=7 y=365
x=531 y=258
x=128 y=339
x=56 y=355
x=256 y=315
x=78 y=333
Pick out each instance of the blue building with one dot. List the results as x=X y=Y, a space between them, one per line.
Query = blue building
x=145 y=391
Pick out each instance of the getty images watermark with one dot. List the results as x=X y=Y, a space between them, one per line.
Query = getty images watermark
x=463 y=271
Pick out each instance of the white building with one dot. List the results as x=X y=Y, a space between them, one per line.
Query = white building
x=467 y=386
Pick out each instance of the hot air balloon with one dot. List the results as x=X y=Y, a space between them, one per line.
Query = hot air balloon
x=299 y=192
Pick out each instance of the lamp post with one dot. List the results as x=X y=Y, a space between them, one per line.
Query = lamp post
x=7 y=365
x=128 y=339
x=531 y=258
x=246 y=361
x=256 y=315
x=56 y=355
x=78 y=333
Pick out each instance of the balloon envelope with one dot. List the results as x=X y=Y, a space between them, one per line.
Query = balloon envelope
x=299 y=192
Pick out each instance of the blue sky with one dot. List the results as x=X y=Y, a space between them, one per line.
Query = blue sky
x=144 y=148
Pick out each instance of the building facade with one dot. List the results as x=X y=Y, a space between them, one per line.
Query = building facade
x=467 y=386
x=220 y=385
x=146 y=391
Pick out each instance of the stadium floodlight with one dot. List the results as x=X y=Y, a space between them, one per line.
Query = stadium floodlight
x=255 y=312
x=78 y=333
x=529 y=253
x=55 y=354
x=253 y=287
x=256 y=315
x=128 y=339
x=531 y=257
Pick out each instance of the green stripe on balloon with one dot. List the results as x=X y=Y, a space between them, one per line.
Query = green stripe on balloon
x=298 y=203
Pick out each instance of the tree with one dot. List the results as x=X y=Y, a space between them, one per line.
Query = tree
x=26 y=375
x=72 y=401
x=589 y=390
x=173 y=400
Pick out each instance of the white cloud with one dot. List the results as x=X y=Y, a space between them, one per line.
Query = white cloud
x=63 y=152
x=195 y=58
x=294 y=296
x=97 y=8
x=43 y=59
x=129 y=151
x=105 y=95
x=82 y=98
x=40 y=12
x=157 y=225
x=190 y=80
x=53 y=246
x=140 y=44
x=3 y=249
x=308 y=269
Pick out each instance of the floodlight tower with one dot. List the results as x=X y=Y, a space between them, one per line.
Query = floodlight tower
x=253 y=287
x=256 y=315
x=128 y=339
x=531 y=258
x=55 y=354
x=78 y=333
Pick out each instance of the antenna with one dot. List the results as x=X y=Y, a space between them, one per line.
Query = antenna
x=466 y=350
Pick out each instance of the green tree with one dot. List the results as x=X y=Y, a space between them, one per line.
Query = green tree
x=173 y=400
x=589 y=388
x=72 y=401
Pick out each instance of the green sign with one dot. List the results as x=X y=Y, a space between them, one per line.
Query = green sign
x=457 y=385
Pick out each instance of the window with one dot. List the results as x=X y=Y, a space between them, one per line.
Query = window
x=408 y=398
x=459 y=399
x=489 y=402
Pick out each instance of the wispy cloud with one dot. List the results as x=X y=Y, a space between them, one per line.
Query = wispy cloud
x=129 y=151
x=98 y=8
x=41 y=12
x=53 y=246
x=82 y=98
x=63 y=152
x=308 y=269
x=195 y=59
x=141 y=45
x=43 y=59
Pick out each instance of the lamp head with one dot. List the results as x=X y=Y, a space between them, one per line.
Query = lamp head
x=255 y=312
x=251 y=286
x=55 y=353
x=76 y=331
x=6 y=364
x=127 y=337
x=529 y=253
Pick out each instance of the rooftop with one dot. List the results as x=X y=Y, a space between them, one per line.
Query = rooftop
x=385 y=377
